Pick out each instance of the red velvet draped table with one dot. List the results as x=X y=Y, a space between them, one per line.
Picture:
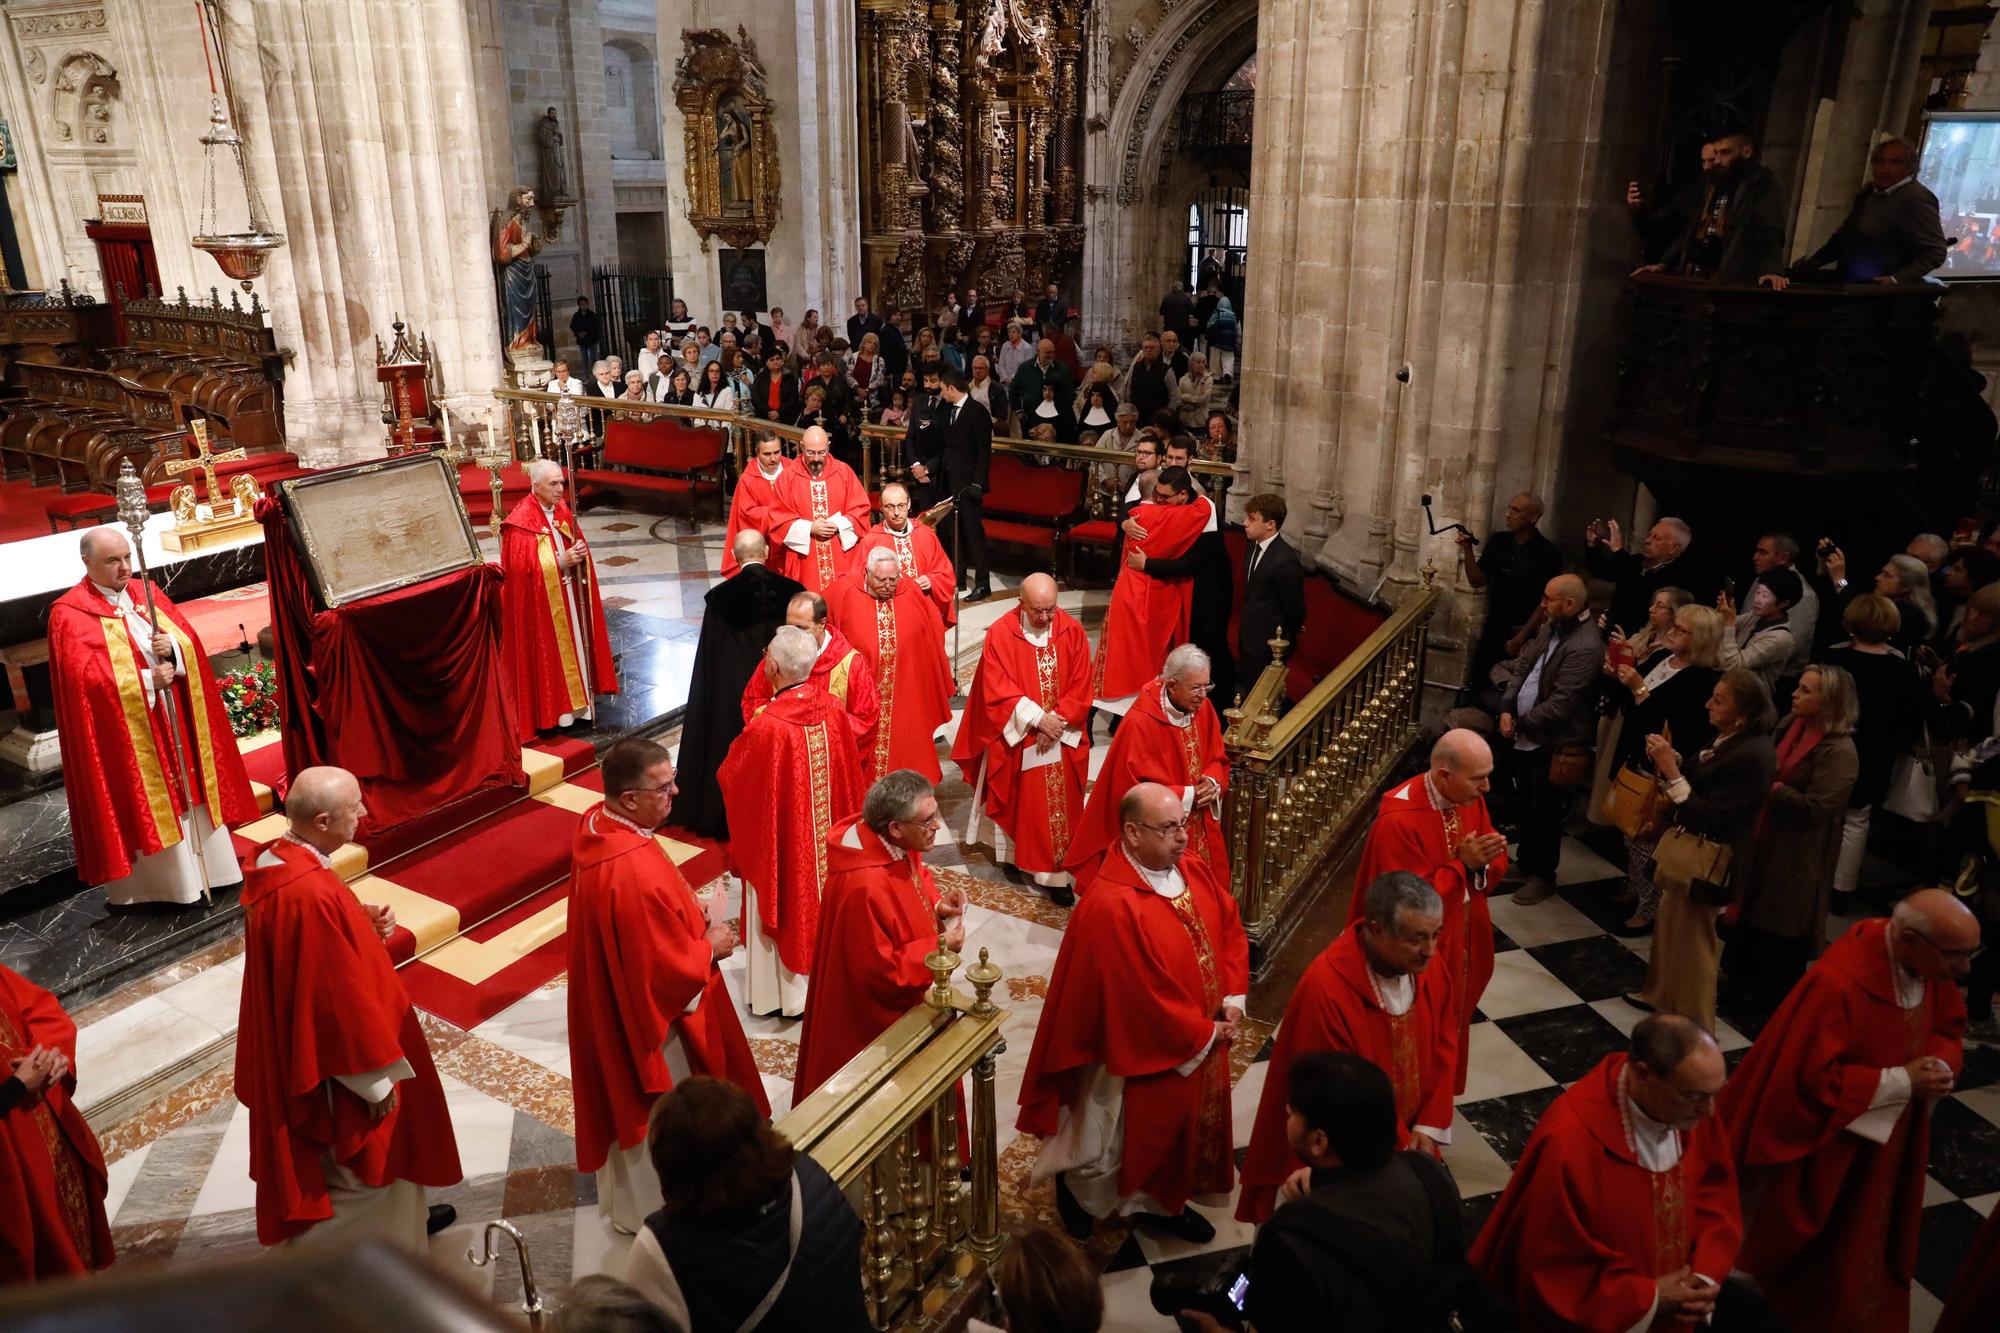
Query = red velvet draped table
x=403 y=690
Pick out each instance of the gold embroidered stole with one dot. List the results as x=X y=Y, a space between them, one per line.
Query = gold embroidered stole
x=71 y=1198
x=1212 y=1165
x=822 y=550
x=574 y=687
x=885 y=679
x=906 y=554
x=822 y=801
x=1672 y=1238
x=1404 y=1074
x=1198 y=832
x=1055 y=776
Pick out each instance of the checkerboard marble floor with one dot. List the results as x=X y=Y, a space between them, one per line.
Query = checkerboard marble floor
x=180 y=1186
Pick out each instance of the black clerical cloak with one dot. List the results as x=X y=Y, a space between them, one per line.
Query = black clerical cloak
x=736 y=628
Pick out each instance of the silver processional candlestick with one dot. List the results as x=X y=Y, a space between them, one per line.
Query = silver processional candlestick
x=133 y=513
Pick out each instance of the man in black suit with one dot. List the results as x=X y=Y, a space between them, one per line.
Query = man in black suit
x=752 y=328
x=895 y=349
x=1274 y=587
x=1052 y=309
x=918 y=442
x=774 y=394
x=862 y=321
x=1206 y=567
x=960 y=454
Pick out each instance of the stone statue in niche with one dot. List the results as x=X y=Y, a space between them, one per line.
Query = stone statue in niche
x=553 y=178
x=732 y=149
x=514 y=249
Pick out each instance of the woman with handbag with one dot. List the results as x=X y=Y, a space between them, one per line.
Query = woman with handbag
x=1716 y=797
x=1668 y=694
x=1786 y=875
x=1890 y=697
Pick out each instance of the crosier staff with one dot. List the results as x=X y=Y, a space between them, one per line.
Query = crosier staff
x=133 y=513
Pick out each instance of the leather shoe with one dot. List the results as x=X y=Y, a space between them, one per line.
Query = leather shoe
x=1632 y=998
x=980 y=592
x=442 y=1216
x=1077 y=1222
x=1061 y=895
x=1625 y=930
x=1534 y=891
x=1187 y=1225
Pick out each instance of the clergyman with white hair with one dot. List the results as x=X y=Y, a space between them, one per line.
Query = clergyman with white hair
x=790 y=778
x=558 y=651
x=136 y=830
x=1171 y=736
x=894 y=625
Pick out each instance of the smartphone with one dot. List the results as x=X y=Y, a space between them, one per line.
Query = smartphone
x=1239 y=1290
x=1729 y=589
x=1601 y=528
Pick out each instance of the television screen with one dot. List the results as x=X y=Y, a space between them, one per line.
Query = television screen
x=1961 y=165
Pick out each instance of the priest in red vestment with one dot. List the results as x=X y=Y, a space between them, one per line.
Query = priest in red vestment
x=1022 y=743
x=1830 y=1116
x=1128 y=1081
x=839 y=670
x=1148 y=616
x=788 y=780
x=1622 y=1214
x=136 y=831
x=52 y=1180
x=558 y=649
x=755 y=498
x=348 y=1121
x=647 y=1006
x=1171 y=737
x=917 y=549
x=1371 y=993
x=1436 y=825
x=820 y=514
x=892 y=624
x=881 y=916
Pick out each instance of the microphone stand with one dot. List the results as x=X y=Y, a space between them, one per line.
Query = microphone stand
x=133 y=513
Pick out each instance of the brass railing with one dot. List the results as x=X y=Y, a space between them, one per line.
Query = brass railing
x=525 y=426
x=886 y=1129
x=1300 y=784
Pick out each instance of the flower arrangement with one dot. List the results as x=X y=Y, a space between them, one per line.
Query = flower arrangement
x=251 y=698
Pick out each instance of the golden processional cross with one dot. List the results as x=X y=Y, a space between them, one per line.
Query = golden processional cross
x=205 y=459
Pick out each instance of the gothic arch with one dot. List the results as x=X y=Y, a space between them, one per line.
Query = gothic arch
x=1196 y=40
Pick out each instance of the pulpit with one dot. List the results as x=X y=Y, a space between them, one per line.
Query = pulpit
x=386 y=622
x=409 y=392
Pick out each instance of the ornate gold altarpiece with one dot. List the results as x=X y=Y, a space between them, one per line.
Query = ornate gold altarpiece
x=969 y=146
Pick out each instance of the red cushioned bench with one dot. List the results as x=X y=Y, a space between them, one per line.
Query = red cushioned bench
x=1031 y=506
x=85 y=508
x=1098 y=533
x=658 y=457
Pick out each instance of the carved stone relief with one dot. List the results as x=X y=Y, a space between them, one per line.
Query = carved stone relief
x=80 y=103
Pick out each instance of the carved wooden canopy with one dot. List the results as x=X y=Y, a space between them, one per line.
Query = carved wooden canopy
x=731 y=143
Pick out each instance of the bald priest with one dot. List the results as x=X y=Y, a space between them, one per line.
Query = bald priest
x=133 y=700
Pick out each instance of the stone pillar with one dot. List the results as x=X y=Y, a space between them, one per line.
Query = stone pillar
x=1420 y=183
x=366 y=140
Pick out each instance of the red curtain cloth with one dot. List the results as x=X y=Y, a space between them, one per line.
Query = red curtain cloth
x=403 y=690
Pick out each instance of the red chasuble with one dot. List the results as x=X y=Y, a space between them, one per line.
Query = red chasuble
x=750 y=507
x=1336 y=1008
x=321 y=999
x=543 y=672
x=1410 y=834
x=1582 y=1235
x=52 y=1180
x=1976 y=1294
x=795 y=750
x=1137 y=987
x=637 y=957
x=1833 y=1236
x=125 y=799
x=902 y=641
x=1150 y=748
x=1148 y=617
x=800 y=495
x=1038 y=808
x=842 y=673
x=877 y=922
x=919 y=551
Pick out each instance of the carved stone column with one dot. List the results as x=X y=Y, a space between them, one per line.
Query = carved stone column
x=947 y=126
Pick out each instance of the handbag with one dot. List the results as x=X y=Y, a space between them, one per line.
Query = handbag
x=1913 y=784
x=1693 y=864
x=1635 y=803
x=1569 y=766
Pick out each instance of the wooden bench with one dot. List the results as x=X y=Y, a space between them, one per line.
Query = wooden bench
x=660 y=456
x=221 y=358
x=1031 y=506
